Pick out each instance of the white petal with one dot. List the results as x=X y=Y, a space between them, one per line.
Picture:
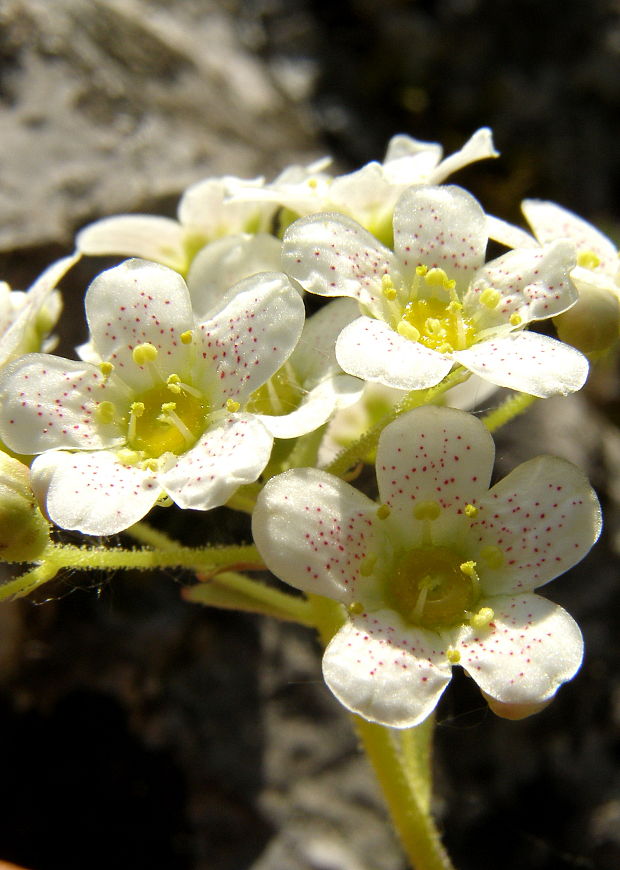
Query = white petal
x=371 y=350
x=385 y=671
x=206 y=212
x=332 y=255
x=433 y=454
x=140 y=302
x=314 y=531
x=50 y=402
x=473 y=393
x=550 y=221
x=509 y=235
x=250 y=338
x=478 y=147
x=315 y=354
x=92 y=493
x=532 y=282
x=530 y=649
x=228 y=455
x=153 y=238
x=317 y=407
x=225 y=262
x=544 y=517
x=528 y=362
x=442 y=227
x=401 y=146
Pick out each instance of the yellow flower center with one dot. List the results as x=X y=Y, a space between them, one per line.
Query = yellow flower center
x=162 y=421
x=432 y=587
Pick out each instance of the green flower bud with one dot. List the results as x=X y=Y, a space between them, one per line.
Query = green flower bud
x=24 y=531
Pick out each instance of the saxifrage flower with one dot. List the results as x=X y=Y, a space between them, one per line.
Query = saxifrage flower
x=432 y=302
x=441 y=572
x=160 y=412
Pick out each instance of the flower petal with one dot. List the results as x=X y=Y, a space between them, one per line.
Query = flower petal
x=222 y=264
x=316 y=408
x=371 y=350
x=544 y=517
x=230 y=454
x=314 y=356
x=478 y=147
x=528 y=362
x=154 y=238
x=550 y=221
x=530 y=649
x=314 y=531
x=533 y=284
x=252 y=336
x=385 y=671
x=433 y=455
x=140 y=302
x=50 y=402
x=441 y=227
x=332 y=255
x=92 y=493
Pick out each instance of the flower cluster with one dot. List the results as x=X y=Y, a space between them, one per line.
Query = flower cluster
x=203 y=383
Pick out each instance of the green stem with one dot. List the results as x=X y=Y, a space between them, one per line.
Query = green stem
x=349 y=457
x=508 y=410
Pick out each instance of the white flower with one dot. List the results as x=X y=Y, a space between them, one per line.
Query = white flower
x=369 y=194
x=160 y=413
x=594 y=323
x=27 y=317
x=204 y=214
x=431 y=302
x=442 y=572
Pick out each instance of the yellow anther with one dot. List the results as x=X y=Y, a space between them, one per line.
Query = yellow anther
x=432 y=326
x=173 y=384
x=186 y=337
x=445 y=348
x=407 y=330
x=490 y=298
x=128 y=457
x=355 y=608
x=421 y=270
x=492 y=556
x=232 y=406
x=387 y=288
x=437 y=278
x=137 y=409
x=588 y=259
x=106 y=412
x=516 y=319
x=427 y=510
x=106 y=369
x=453 y=656
x=469 y=569
x=383 y=511
x=367 y=566
x=471 y=511
x=454 y=307
x=168 y=406
x=144 y=353
x=150 y=465
x=313 y=183
x=483 y=618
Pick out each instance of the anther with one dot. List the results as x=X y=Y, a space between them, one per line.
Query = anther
x=106 y=369
x=471 y=511
x=588 y=259
x=232 y=406
x=387 y=288
x=421 y=270
x=106 y=412
x=427 y=510
x=144 y=353
x=453 y=656
x=186 y=337
x=407 y=330
x=437 y=278
x=355 y=608
x=468 y=569
x=516 y=319
x=490 y=298
x=483 y=618
x=383 y=511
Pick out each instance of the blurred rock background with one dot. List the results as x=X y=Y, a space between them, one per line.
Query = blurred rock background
x=138 y=731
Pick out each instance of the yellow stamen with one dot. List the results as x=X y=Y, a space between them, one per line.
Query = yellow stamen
x=588 y=259
x=232 y=406
x=421 y=270
x=516 y=319
x=453 y=656
x=407 y=330
x=144 y=353
x=387 y=288
x=106 y=412
x=471 y=511
x=186 y=337
x=383 y=511
x=355 y=608
x=490 y=298
x=483 y=618
x=137 y=409
x=468 y=569
x=427 y=510
x=106 y=369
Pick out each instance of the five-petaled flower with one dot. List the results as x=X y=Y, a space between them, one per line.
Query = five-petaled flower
x=441 y=572
x=432 y=302
x=160 y=413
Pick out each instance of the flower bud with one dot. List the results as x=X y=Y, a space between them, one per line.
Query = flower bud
x=24 y=532
x=592 y=325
